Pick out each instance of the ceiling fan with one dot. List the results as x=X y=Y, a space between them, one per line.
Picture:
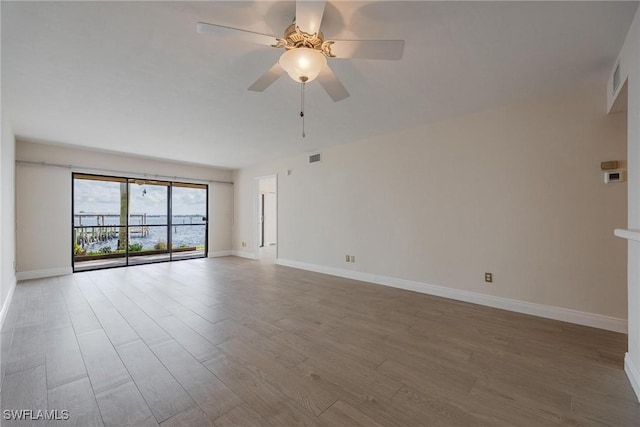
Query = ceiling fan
x=306 y=50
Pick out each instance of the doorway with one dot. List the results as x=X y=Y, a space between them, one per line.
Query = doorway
x=267 y=219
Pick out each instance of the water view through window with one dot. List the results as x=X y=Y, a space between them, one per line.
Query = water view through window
x=120 y=221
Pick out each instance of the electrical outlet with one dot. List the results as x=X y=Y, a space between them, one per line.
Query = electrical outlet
x=353 y=258
x=488 y=277
x=244 y=244
x=347 y=258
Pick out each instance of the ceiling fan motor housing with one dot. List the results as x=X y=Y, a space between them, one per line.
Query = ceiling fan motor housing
x=295 y=38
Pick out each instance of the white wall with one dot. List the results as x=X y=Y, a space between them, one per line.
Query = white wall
x=270 y=219
x=630 y=64
x=44 y=202
x=7 y=216
x=516 y=191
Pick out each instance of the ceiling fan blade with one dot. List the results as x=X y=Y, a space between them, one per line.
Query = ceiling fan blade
x=368 y=49
x=268 y=78
x=309 y=15
x=332 y=84
x=236 y=33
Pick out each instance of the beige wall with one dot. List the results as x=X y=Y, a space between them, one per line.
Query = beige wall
x=516 y=191
x=44 y=201
x=7 y=214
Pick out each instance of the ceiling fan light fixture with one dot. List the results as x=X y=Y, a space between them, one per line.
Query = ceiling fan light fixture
x=303 y=64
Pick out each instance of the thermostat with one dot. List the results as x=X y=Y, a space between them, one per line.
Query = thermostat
x=613 y=176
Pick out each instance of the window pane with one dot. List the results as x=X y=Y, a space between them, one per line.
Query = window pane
x=148 y=203
x=188 y=240
x=99 y=218
x=148 y=244
x=188 y=231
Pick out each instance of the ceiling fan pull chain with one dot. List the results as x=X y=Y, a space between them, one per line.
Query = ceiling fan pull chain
x=302 y=106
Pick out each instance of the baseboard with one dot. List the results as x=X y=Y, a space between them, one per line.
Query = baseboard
x=549 y=312
x=220 y=253
x=242 y=254
x=633 y=374
x=39 y=274
x=7 y=303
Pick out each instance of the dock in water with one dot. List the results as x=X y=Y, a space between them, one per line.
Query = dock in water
x=103 y=230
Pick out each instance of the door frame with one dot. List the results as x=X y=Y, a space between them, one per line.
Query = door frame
x=257 y=214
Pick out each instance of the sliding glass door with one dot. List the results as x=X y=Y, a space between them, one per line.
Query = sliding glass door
x=188 y=220
x=148 y=221
x=119 y=221
x=99 y=222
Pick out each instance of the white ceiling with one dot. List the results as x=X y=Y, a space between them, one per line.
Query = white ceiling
x=135 y=77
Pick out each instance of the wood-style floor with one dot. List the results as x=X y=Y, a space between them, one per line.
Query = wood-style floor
x=229 y=342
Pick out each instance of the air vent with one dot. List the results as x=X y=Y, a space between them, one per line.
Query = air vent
x=616 y=77
x=314 y=158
